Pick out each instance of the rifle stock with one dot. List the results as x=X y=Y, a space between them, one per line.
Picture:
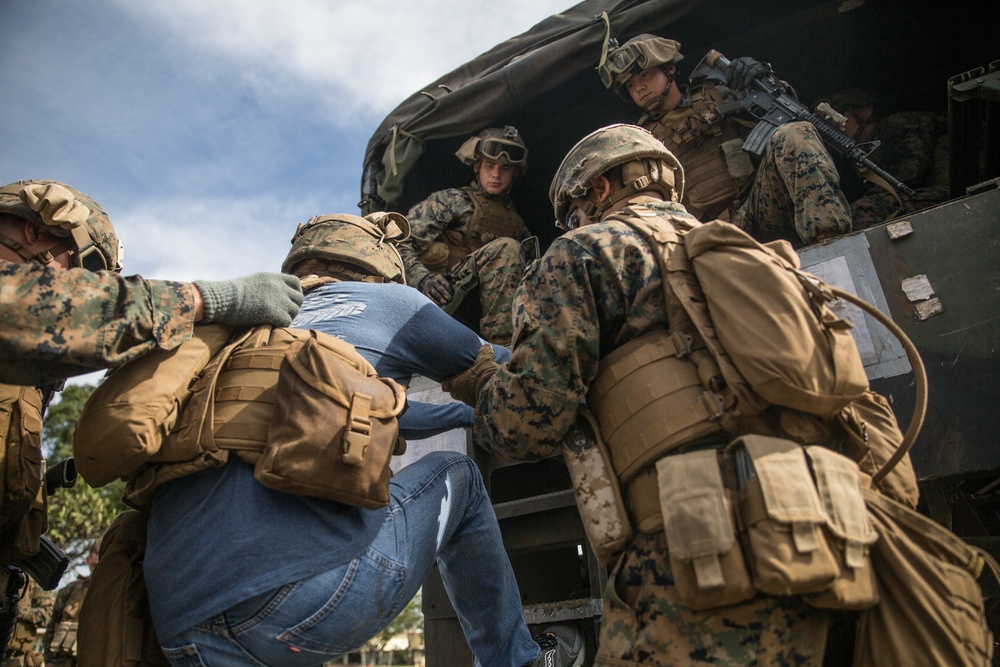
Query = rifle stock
x=767 y=101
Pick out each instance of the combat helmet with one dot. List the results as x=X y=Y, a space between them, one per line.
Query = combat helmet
x=645 y=161
x=362 y=249
x=64 y=211
x=500 y=144
x=639 y=53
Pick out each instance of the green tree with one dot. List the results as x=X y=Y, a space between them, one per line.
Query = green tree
x=79 y=515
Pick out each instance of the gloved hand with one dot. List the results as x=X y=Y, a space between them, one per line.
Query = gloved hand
x=745 y=71
x=55 y=204
x=260 y=298
x=466 y=385
x=436 y=287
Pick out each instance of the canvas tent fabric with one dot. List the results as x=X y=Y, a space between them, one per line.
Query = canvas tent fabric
x=499 y=82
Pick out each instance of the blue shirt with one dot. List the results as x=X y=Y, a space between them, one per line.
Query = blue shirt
x=219 y=537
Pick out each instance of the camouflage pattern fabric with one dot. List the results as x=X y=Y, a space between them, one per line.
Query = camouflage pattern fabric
x=60 y=634
x=644 y=624
x=496 y=270
x=34 y=611
x=595 y=289
x=907 y=152
x=494 y=267
x=796 y=193
x=55 y=324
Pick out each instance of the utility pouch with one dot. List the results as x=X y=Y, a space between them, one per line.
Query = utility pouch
x=334 y=428
x=23 y=510
x=849 y=531
x=705 y=556
x=435 y=257
x=781 y=516
x=598 y=497
x=931 y=611
x=740 y=167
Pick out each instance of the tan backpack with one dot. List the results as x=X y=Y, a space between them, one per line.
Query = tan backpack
x=304 y=407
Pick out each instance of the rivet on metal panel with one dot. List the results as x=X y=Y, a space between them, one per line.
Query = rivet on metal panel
x=898 y=230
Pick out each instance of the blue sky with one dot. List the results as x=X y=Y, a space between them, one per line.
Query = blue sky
x=208 y=129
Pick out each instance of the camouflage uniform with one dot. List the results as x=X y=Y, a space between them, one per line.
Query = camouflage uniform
x=597 y=288
x=33 y=614
x=55 y=324
x=795 y=192
x=494 y=266
x=908 y=139
x=60 y=633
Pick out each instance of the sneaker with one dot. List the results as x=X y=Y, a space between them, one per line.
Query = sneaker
x=562 y=646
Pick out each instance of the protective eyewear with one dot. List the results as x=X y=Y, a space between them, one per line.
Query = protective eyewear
x=89 y=257
x=498 y=149
x=620 y=62
x=578 y=215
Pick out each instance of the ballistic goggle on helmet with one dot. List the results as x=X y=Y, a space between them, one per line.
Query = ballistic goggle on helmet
x=646 y=165
x=639 y=53
x=64 y=211
x=367 y=244
x=500 y=144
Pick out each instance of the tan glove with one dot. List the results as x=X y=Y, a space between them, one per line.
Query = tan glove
x=55 y=204
x=466 y=385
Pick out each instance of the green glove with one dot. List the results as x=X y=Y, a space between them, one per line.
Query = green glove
x=466 y=385
x=260 y=298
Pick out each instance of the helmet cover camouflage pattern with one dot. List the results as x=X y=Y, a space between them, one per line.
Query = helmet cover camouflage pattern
x=499 y=144
x=368 y=243
x=605 y=149
x=639 y=53
x=98 y=224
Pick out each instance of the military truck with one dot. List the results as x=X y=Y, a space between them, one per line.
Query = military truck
x=936 y=275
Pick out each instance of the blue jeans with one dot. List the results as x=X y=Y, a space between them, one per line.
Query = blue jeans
x=439 y=511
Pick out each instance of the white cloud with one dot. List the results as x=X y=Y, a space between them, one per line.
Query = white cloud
x=357 y=56
x=216 y=237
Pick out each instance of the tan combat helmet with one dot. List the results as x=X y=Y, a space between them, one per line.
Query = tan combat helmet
x=64 y=211
x=639 y=53
x=361 y=249
x=500 y=144
x=645 y=161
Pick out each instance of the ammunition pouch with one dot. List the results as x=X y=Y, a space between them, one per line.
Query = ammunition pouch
x=761 y=515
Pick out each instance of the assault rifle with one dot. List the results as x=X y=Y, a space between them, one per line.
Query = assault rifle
x=767 y=100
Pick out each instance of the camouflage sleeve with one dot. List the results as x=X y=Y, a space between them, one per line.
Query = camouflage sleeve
x=531 y=402
x=443 y=210
x=56 y=323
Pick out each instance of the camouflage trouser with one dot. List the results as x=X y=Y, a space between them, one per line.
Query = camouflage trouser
x=496 y=268
x=878 y=205
x=644 y=624
x=796 y=187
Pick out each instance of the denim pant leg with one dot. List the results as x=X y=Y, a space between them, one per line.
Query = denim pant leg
x=441 y=511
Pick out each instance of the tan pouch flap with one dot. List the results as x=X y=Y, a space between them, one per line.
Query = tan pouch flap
x=788 y=490
x=695 y=512
x=839 y=484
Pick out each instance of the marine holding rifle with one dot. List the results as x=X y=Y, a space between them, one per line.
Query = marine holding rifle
x=792 y=193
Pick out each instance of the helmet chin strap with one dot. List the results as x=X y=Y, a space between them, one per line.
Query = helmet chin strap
x=649 y=107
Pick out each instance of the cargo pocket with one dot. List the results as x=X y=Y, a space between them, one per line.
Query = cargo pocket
x=849 y=530
x=782 y=517
x=705 y=556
